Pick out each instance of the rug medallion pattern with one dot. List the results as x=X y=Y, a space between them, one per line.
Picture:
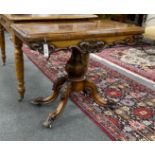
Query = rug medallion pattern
x=134 y=59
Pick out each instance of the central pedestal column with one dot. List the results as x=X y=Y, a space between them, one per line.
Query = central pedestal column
x=75 y=81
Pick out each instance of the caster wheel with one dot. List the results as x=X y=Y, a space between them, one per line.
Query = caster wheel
x=48 y=124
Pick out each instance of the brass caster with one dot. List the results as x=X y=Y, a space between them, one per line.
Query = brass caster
x=48 y=123
x=50 y=126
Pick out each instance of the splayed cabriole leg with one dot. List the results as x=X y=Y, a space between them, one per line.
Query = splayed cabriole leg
x=2 y=44
x=55 y=92
x=64 y=94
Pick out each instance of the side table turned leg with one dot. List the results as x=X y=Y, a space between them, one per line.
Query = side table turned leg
x=2 y=44
x=18 y=55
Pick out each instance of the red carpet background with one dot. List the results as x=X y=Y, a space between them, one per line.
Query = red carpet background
x=130 y=114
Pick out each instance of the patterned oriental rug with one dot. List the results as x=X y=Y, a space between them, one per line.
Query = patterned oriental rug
x=130 y=114
x=134 y=59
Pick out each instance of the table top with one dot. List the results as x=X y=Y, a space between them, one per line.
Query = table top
x=62 y=31
x=26 y=17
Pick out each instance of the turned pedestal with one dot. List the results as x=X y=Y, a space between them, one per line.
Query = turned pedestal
x=75 y=81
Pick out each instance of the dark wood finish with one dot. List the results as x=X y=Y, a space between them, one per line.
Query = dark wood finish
x=80 y=38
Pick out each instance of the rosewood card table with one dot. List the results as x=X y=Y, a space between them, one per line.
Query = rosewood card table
x=80 y=38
